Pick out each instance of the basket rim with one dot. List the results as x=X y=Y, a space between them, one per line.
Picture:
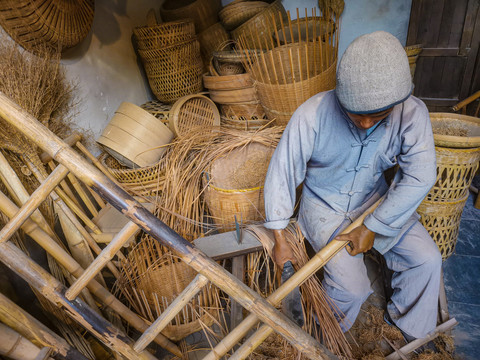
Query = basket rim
x=453 y=141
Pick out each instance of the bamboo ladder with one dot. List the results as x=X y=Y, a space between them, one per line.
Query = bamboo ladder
x=208 y=270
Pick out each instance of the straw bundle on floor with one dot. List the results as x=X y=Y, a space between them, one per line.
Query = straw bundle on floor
x=292 y=68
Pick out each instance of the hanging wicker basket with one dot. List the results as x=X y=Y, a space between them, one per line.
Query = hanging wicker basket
x=442 y=221
x=455 y=130
x=235 y=14
x=204 y=13
x=234 y=186
x=193 y=111
x=164 y=34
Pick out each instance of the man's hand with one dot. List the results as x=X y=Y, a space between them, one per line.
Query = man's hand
x=360 y=240
x=282 y=251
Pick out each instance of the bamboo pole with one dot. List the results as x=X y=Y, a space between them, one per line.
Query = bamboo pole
x=72 y=266
x=64 y=185
x=25 y=324
x=179 y=303
x=83 y=195
x=101 y=260
x=70 y=140
x=53 y=290
x=96 y=162
x=133 y=210
x=15 y=346
x=38 y=196
x=300 y=276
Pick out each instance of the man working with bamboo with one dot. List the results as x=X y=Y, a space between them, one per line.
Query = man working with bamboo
x=339 y=143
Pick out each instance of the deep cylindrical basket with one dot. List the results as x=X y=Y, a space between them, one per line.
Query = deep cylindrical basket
x=164 y=34
x=193 y=111
x=455 y=171
x=134 y=137
x=260 y=25
x=455 y=130
x=210 y=39
x=235 y=14
x=442 y=221
x=204 y=13
x=234 y=186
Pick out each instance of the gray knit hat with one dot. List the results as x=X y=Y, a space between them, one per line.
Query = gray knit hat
x=373 y=74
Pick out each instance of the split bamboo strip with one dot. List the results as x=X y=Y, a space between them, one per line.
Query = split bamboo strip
x=101 y=260
x=32 y=329
x=72 y=266
x=179 y=303
x=317 y=262
x=91 y=176
x=64 y=186
x=83 y=195
x=96 y=162
x=33 y=202
x=53 y=291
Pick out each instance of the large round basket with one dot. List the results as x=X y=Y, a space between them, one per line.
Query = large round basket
x=164 y=34
x=234 y=190
x=303 y=29
x=193 y=111
x=134 y=137
x=455 y=130
x=57 y=24
x=247 y=124
x=442 y=221
x=204 y=13
x=235 y=14
x=455 y=171
x=152 y=278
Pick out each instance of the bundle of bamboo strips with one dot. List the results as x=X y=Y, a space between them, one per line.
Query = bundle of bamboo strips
x=298 y=61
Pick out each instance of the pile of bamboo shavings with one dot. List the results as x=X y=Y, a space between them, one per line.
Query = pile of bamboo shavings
x=315 y=301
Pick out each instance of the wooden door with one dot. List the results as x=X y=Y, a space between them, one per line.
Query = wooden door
x=448 y=68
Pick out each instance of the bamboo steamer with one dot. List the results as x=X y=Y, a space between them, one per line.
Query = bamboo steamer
x=455 y=130
x=234 y=96
x=305 y=28
x=227 y=82
x=134 y=137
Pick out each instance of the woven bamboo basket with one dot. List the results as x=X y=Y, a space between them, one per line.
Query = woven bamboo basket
x=193 y=111
x=164 y=34
x=227 y=82
x=234 y=96
x=305 y=29
x=243 y=110
x=234 y=186
x=442 y=221
x=144 y=181
x=58 y=24
x=455 y=171
x=152 y=278
x=455 y=130
x=204 y=13
x=261 y=24
x=210 y=39
x=235 y=14
x=247 y=124
x=158 y=109
x=412 y=52
x=134 y=137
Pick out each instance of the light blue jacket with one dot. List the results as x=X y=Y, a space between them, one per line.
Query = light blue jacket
x=342 y=168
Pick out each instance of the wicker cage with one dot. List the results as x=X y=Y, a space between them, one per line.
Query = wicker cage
x=235 y=14
x=164 y=34
x=455 y=130
x=442 y=221
x=57 y=24
x=234 y=188
x=151 y=278
x=204 y=13
x=455 y=171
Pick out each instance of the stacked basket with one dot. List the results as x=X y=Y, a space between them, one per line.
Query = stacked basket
x=413 y=52
x=457 y=140
x=170 y=54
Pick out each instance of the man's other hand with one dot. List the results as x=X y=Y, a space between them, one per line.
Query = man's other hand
x=282 y=251
x=360 y=240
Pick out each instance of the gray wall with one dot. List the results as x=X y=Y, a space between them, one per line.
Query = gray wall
x=107 y=71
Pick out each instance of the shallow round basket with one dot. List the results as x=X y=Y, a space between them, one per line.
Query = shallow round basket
x=455 y=130
x=246 y=110
x=234 y=186
x=244 y=123
x=204 y=13
x=235 y=14
x=164 y=34
x=455 y=171
x=245 y=95
x=193 y=111
x=227 y=82
x=134 y=137
x=58 y=24
x=442 y=221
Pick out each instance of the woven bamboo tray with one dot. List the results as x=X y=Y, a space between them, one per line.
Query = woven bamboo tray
x=455 y=130
x=158 y=109
x=260 y=25
x=235 y=186
x=134 y=137
x=442 y=221
x=58 y=24
x=235 y=14
x=245 y=95
x=193 y=111
x=227 y=82
x=455 y=171
x=164 y=34
x=204 y=13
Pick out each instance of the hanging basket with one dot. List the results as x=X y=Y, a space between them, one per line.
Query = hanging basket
x=164 y=34
x=455 y=130
x=234 y=186
x=204 y=13
x=442 y=221
x=235 y=14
